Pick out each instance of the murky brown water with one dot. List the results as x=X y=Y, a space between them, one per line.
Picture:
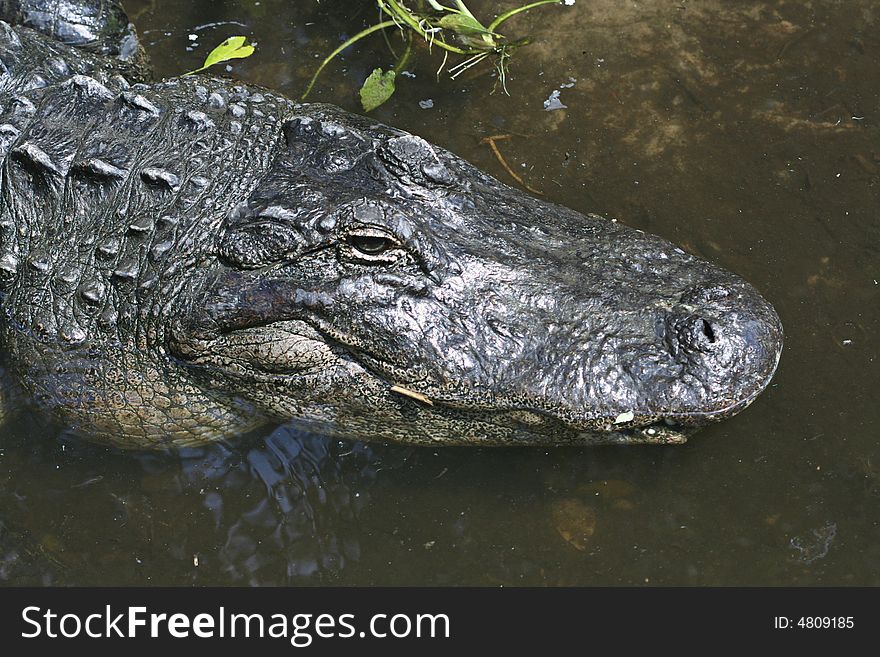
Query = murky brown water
x=746 y=131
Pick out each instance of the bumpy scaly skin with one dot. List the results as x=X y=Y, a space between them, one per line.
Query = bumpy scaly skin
x=184 y=260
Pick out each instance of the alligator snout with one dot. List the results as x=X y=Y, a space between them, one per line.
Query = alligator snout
x=728 y=338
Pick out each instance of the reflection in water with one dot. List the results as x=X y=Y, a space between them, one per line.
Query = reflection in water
x=280 y=510
x=312 y=492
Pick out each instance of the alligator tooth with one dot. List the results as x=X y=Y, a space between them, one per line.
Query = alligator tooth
x=659 y=436
x=161 y=176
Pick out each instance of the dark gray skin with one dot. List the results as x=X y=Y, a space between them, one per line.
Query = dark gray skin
x=185 y=260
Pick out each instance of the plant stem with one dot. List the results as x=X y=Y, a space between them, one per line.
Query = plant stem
x=464 y=10
x=513 y=12
x=385 y=36
x=392 y=8
x=404 y=58
x=355 y=38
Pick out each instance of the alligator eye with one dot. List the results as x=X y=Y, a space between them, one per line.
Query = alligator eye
x=370 y=244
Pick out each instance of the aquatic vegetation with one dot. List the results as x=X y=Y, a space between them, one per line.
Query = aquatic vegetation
x=454 y=30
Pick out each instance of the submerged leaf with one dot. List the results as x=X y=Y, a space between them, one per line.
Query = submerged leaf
x=574 y=521
x=377 y=89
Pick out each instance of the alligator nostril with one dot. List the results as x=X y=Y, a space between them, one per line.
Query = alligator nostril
x=708 y=331
x=691 y=334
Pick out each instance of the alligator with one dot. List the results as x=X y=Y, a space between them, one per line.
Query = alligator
x=186 y=260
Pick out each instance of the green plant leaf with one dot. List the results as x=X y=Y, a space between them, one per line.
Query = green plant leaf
x=233 y=48
x=462 y=24
x=469 y=30
x=377 y=89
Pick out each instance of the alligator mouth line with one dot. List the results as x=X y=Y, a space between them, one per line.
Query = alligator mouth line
x=656 y=426
x=663 y=432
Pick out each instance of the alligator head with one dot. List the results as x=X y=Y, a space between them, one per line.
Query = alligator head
x=375 y=286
